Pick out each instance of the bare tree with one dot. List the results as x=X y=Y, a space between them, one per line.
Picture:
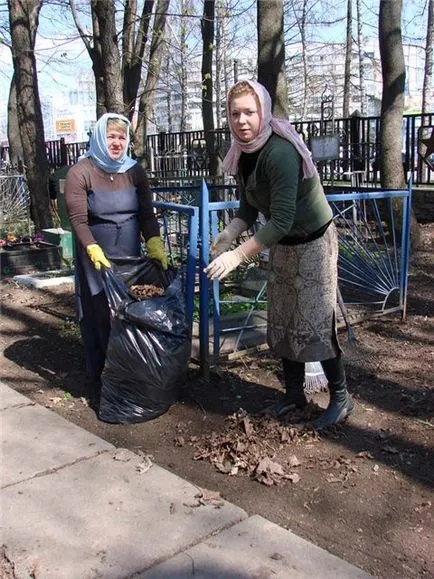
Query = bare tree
x=427 y=78
x=134 y=38
x=94 y=49
x=392 y=104
x=23 y=22
x=16 y=155
x=108 y=40
x=207 y=25
x=271 y=54
x=147 y=97
x=361 y=54
x=348 y=58
x=116 y=79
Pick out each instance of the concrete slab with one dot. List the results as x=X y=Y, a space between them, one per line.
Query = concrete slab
x=35 y=440
x=105 y=517
x=43 y=279
x=255 y=548
x=10 y=398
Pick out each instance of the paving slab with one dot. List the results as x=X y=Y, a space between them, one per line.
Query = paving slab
x=35 y=440
x=107 y=516
x=10 y=398
x=255 y=548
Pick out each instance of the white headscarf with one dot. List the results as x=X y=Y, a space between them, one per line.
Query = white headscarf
x=269 y=125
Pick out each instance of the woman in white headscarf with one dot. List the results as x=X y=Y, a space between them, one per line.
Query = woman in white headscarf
x=109 y=205
x=277 y=178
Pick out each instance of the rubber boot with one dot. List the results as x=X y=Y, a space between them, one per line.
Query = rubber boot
x=293 y=375
x=341 y=403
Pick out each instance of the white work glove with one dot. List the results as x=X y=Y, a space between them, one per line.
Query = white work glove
x=225 y=263
x=224 y=239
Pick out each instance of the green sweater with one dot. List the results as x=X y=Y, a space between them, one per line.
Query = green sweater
x=290 y=204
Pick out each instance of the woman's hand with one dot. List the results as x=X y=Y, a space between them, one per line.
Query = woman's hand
x=230 y=260
x=221 y=243
x=155 y=250
x=224 y=239
x=96 y=256
x=225 y=263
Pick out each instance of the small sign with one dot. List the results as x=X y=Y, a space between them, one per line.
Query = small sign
x=324 y=147
x=65 y=126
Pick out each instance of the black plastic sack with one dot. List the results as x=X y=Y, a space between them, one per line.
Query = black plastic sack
x=149 y=346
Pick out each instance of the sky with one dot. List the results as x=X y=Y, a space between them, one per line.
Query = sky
x=62 y=57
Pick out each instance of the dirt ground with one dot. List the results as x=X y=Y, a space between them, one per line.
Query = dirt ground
x=363 y=490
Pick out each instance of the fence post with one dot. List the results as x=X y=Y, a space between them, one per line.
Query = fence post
x=63 y=152
x=203 y=280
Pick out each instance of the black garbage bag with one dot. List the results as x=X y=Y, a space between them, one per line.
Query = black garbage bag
x=149 y=345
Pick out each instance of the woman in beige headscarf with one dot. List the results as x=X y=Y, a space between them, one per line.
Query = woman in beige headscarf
x=277 y=178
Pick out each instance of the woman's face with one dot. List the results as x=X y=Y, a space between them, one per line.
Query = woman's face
x=245 y=117
x=116 y=142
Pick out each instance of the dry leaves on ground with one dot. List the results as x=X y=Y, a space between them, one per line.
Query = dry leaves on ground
x=250 y=444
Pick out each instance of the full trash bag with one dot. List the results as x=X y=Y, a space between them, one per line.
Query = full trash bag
x=149 y=345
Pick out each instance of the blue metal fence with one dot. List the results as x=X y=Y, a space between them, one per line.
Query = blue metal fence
x=374 y=234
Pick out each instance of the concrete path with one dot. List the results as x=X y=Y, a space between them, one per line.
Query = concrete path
x=75 y=507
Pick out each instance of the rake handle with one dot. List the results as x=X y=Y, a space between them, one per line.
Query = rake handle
x=343 y=308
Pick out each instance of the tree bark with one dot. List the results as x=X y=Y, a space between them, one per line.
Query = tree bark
x=207 y=26
x=427 y=78
x=111 y=59
x=361 y=60
x=271 y=54
x=93 y=47
x=23 y=21
x=133 y=49
x=16 y=156
x=392 y=104
x=147 y=98
x=348 y=55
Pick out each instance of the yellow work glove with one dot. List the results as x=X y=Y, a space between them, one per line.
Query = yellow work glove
x=96 y=256
x=155 y=250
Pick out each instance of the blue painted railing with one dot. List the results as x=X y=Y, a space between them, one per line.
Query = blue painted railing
x=373 y=259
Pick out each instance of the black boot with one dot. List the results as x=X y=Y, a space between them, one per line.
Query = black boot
x=341 y=403
x=293 y=375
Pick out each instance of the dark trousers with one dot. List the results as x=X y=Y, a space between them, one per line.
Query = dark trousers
x=95 y=331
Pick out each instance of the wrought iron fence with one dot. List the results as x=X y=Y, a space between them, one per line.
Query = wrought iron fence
x=172 y=157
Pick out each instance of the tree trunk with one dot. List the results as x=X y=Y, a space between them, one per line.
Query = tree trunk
x=392 y=104
x=133 y=48
x=111 y=60
x=23 y=21
x=14 y=138
x=183 y=67
x=361 y=60
x=94 y=52
x=271 y=54
x=147 y=98
x=427 y=78
x=207 y=25
x=348 y=55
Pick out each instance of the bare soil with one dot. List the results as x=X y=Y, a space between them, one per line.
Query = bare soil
x=362 y=490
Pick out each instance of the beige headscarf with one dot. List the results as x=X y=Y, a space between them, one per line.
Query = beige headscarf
x=269 y=125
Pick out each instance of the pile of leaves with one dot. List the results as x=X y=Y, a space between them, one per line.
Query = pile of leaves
x=250 y=444
x=145 y=291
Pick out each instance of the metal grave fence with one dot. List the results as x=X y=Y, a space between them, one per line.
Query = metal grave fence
x=229 y=318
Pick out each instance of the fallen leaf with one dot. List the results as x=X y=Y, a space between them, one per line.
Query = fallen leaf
x=293 y=461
